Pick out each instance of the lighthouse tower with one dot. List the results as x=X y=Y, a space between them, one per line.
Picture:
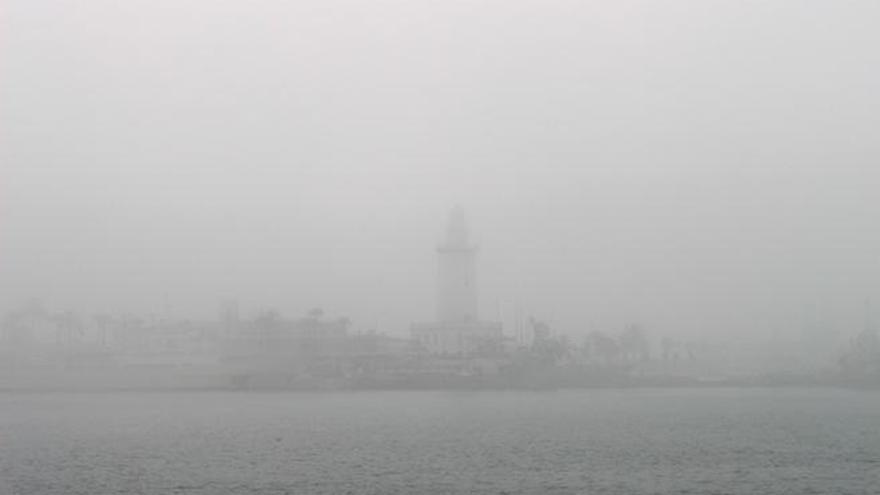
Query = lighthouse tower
x=456 y=273
x=458 y=330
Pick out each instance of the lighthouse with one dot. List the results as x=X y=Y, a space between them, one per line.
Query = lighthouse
x=457 y=329
x=456 y=273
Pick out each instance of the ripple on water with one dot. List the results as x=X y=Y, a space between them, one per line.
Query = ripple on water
x=603 y=441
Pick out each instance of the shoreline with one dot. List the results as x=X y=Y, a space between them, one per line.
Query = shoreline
x=13 y=390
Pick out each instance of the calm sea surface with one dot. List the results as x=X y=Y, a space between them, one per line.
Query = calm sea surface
x=750 y=441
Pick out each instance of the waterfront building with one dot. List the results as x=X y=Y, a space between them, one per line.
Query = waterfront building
x=458 y=330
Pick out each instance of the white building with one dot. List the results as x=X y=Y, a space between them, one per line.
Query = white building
x=458 y=329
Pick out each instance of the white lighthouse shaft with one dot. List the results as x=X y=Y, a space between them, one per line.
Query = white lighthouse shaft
x=457 y=288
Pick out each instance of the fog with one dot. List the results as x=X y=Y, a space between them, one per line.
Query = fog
x=439 y=246
x=705 y=168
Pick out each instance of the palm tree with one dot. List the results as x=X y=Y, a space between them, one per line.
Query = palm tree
x=345 y=322
x=315 y=313
x=634 y=343
x=604 y=346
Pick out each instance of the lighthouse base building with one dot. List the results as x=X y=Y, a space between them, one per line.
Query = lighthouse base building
x=480 y=338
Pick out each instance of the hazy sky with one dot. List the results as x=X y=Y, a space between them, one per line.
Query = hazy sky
x=699 y=166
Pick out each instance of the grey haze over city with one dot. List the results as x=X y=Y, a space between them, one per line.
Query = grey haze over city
x=439 y=246
x=705 y=168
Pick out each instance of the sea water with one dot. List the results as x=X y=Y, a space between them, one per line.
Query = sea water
x=648 y=441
